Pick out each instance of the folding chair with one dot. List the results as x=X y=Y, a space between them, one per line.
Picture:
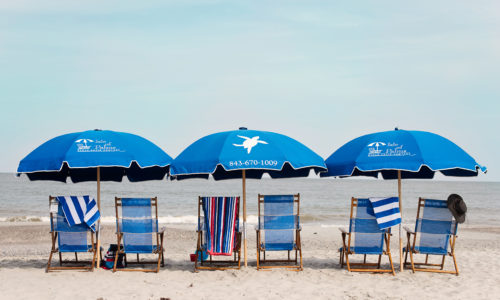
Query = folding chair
x=218 y=233
x=279 y=230
x=69 y=239
x=435 y=230
x=137 y=230
x=366 y=238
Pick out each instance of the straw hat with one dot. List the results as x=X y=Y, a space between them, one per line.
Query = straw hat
x=457 y=207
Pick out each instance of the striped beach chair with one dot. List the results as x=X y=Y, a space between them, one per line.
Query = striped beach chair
x=70 y=233
x=366 y=238
x=218 y=233
x=434 y=234
x=137 y=232
x=279 y=230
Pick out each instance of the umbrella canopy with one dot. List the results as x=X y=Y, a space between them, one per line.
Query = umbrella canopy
x=96 y=155
x=245 y=154
x=78 y=155
x=225 y=154
x=401 y=154
x=417 y=154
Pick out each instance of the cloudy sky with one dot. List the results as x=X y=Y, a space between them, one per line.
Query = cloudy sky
x=318 y=71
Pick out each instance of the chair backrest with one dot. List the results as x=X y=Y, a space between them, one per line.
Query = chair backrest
x=219 y=223
x=138 y=223
x=278 y=220
x=366 y=236
x=434 y=225
x=69 y=238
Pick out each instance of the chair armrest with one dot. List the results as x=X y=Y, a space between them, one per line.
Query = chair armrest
x=409 y=230
x=343 y=230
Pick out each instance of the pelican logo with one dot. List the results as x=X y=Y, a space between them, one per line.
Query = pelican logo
x=378 y=149
x=249 y=143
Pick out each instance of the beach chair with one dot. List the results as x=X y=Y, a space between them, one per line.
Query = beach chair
x=137 y=232
x=218 y=234
x=69 y=239
x=366 y=238
x=435 y=230
x=279 y=229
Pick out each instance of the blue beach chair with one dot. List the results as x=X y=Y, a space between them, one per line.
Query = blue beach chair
x=137 y=231
x=366 y=238
x=218 y=233
x=435 y=231
x=69 y=239
x=279 y=230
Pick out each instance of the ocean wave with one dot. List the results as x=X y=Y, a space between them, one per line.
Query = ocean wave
x=22 y=219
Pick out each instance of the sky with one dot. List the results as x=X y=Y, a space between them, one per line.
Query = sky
x=322 y=72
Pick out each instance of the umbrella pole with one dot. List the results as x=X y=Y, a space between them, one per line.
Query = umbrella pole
x=401 y=265
x=244 y=218
x=98 y=254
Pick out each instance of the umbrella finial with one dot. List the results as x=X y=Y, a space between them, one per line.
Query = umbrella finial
x=396 y=128
x=97 y=129
x=242 y=128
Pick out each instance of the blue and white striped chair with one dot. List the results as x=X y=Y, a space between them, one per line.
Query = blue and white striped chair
x=218 y=233
x=69 y=239
x=279 y=230
x=137 y=231
x=366 y=238
x=435 y=231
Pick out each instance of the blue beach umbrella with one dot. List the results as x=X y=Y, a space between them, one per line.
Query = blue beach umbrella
x=401 y=154
x=96 y=155
x=245 y=154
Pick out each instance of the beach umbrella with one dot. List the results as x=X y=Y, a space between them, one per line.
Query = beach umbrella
x=96 y=155
x=245 y=154
x=400 y=154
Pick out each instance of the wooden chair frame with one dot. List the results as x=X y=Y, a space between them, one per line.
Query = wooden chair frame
x=364 y=266
x=84 y=265
x=213 y=264
x=159 y=243
x=428 y=267
x=261 y=258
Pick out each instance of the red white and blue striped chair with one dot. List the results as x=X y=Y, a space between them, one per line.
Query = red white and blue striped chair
x=218 y=233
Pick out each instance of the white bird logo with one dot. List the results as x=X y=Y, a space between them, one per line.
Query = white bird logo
x=249 y=143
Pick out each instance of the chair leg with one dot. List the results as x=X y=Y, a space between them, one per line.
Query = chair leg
x=455 y=263
x=426 y=258
x=117 y=252
x=76 y=257
x=60 y=259
x=442 y=262
x=412 y=262
x=379 y=260
x=364 y=259
x=49 y=262
x=390 y=261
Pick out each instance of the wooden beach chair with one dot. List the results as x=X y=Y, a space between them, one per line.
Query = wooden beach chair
x=279 y=230
x=69 y=239
x=218 y=234
x=137 y=232
x=366 y=238
x=435 y=230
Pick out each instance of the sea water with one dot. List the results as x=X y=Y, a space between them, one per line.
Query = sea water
x=324 y=201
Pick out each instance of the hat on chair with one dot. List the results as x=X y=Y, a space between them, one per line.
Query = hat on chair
x=457 y=207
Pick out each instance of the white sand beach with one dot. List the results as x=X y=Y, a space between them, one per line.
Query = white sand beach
x=24 y=249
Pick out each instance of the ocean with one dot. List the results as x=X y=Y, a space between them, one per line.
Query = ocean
x=324 y=201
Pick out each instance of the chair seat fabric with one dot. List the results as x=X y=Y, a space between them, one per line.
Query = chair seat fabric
x=279 y=246
x=365 y=250
x=429 y=250
x=74 y=248
x=140 y=248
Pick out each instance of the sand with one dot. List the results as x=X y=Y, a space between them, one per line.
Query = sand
x=24 y=249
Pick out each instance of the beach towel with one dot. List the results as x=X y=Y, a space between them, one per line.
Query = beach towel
x=220 y=223
x=80 y=209
x=386 y=211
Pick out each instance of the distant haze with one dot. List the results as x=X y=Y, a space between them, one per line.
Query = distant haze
x=320 y=72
